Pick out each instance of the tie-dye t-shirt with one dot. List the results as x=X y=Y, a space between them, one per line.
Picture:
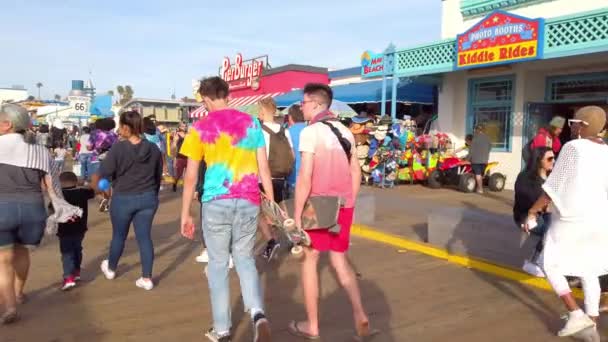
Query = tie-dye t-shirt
x=227 y=140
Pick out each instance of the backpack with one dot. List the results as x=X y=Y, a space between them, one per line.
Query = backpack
x=280 y=156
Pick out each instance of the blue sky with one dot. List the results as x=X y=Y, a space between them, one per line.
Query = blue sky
x=157 y=46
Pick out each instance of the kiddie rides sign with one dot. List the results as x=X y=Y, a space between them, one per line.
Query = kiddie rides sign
x=372 y=64
x=500 y=38
x=242 y=74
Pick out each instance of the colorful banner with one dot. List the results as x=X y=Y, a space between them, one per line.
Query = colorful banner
x=500 y=38
x=372 y=64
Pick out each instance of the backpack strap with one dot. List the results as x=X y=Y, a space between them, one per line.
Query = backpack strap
x=267 y=129
x=346 y=145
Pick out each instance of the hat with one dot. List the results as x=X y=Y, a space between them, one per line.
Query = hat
x=361 y=118
x=557 y=122
x=594 y=116
x=385 y=120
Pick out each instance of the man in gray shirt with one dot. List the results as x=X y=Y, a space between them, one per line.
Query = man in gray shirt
x=479 y=155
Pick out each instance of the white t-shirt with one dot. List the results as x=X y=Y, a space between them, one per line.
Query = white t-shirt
x=275 y=127
x=84 y=143
x=60 y=153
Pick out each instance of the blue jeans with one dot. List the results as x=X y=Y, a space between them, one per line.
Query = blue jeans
x=139 y=209
x=71 y=253
x=21 y=222
x=87 y=167
x=230 y=225
x=170 y=166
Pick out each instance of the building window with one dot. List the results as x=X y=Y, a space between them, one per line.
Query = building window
x=491 y=104
x=573 y=88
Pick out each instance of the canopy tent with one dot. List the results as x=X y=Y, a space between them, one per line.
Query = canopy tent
x=366 y=92
x=239 y=102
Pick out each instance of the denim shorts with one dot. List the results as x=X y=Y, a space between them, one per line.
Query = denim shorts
x=478 y=169
x=21 y=223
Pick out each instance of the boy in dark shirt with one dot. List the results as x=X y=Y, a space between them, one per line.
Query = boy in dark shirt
x=72 y=233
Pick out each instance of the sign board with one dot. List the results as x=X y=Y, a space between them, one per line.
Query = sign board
x=80 y=104
x=372 y=64
x=500 y=38
x=243 y=74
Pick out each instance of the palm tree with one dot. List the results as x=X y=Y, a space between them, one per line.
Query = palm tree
x=39 y=85
x=121 y=92
x=57 y=97
x=128 y=93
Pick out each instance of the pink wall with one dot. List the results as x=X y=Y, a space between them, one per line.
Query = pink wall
x=282 y=82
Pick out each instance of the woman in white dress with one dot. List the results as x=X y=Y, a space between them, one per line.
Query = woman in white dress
x=576 y=243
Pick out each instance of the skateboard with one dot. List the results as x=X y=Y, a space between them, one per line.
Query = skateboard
x=282 y=221
x=320 y=212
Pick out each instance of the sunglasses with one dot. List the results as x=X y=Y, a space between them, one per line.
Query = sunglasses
x=550 y=159
x=577 y=121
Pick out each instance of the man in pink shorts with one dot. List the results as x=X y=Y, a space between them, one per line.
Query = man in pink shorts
x=329 y=167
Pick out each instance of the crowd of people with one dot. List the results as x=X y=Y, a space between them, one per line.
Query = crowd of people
x=229 y=158
x=226 y=160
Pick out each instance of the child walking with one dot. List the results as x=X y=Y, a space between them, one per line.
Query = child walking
x=72 y=233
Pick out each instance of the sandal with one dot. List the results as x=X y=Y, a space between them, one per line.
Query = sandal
x=21 y=299
x=364 y=333
x=9 y=317
x=295 y=331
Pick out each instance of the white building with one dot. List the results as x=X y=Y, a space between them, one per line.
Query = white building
x=557 y=69
x=13 y=94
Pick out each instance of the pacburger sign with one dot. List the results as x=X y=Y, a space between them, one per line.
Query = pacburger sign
x=242 y=74
x=500 y=38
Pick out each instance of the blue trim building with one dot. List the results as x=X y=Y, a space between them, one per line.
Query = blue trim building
x=520 y=75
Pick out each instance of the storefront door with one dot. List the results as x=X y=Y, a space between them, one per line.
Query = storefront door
x=537 y=116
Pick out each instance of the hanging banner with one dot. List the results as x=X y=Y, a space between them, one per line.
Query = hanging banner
x=372 y=64
x=500 y=38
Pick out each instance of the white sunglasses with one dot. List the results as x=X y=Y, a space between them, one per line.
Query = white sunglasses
x=577 y=121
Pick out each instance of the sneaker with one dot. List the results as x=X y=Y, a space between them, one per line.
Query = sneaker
x=145 y=284
x=105 y=268
x=77 y=275
x=271 y=248
x=261 y=328
x=575 y=324
x=204 y=257
x=215 y=337
x=104 y=206
x=533 y=269
x=68 y=283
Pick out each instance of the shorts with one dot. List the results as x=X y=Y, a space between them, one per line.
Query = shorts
x=21 y=223
x=324 y=240
x=278 y=189
x=478 y=169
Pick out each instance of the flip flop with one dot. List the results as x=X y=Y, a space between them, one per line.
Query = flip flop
x=295 y=331
x=9 y=317
x=364 y=333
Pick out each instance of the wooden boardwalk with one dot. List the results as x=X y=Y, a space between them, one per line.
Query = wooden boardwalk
x=410 y=297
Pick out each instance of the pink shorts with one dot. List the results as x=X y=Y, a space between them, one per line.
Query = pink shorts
x=324 y=240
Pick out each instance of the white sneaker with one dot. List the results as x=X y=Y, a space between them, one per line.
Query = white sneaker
x=575 y=325
x=204 y=257
x=105 y=268
x=145 y=284
x=533 y=269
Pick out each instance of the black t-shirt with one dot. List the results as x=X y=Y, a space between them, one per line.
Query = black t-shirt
x=79 y=197
x=180 y=142
x=133 y=168
x=527 y=191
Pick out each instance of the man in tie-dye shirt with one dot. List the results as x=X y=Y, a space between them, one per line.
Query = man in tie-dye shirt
x=232 y=145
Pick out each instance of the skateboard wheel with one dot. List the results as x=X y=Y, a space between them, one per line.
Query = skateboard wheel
x=289 y=223
x=297 y=250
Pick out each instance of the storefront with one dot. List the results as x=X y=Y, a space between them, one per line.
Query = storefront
x=252 y=80
x=513 y=70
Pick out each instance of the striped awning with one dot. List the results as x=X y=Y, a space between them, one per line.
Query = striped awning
x=234 y=103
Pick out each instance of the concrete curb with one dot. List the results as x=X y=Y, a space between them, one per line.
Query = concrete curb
x=372 y=234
